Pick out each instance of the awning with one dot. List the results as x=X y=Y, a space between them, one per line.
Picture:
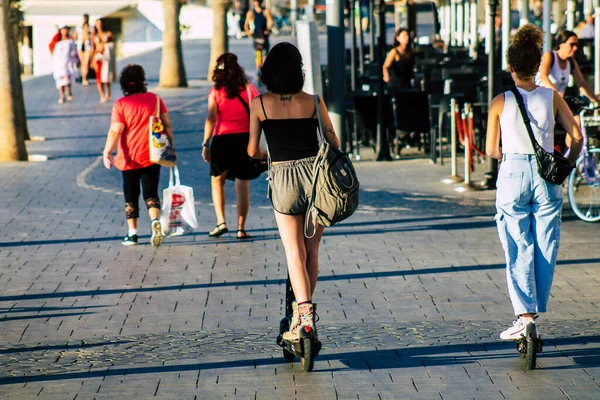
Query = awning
x=94 y=9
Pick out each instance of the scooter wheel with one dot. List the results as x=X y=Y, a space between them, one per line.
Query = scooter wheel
x=308 y=359
x=287 y=356
x=530 y=356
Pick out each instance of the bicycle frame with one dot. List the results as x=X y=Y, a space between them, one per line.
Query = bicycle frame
x=589 y=165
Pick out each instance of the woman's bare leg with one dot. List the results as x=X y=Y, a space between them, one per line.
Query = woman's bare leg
x=291 y=230
x=218 y=196
x=242 y=197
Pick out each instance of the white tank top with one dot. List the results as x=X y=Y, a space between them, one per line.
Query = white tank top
x=539 y=104
x=559 y=77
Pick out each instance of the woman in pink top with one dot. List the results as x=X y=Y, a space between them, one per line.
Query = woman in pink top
x=226 y=134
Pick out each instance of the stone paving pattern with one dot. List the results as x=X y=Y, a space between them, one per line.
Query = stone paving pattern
x=412 y=292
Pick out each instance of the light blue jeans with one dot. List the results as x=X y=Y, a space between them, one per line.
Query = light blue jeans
x=529 y=221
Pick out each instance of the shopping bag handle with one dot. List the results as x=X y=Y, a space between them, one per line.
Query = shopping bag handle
x=174 y=170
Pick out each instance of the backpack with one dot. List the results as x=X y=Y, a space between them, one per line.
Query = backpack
x=335 y=185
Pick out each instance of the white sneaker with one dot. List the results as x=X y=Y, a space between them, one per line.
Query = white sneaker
x=516 y=331
x=157 y=236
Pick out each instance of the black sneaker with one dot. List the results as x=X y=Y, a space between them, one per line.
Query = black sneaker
x=130 y=240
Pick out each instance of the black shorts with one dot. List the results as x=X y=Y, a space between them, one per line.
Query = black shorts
x=261 y=43
x=229 y=153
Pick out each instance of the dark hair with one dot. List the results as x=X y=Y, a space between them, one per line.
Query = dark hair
x=86 y=16
x=229 y=75
x=525 y=53
x=562 y=37
x=282 y=71
x=398 y=32
x=133 y=80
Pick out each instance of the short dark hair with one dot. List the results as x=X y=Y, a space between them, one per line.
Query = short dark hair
x=525 y=53
x=562 y=37
x=133 y=80
x=282 y=71
x=229 y=75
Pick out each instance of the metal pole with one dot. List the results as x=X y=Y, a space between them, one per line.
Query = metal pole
x=294 y=15
x=453 y=178
x=460 y=19
x=491 y=163
x=505 y=31
x=383 y=147
x=474 y=28
x=453 y=160
x=467 y=24
x=352 y=23
x=453 y=22
x=523 y=12
x=361 y=48
x=467 y=180
x=447 y=22
x=547 y=11
x=597 y=52
x=372 y=30
x=351 y=135
x=335 y=65
x=571 y=14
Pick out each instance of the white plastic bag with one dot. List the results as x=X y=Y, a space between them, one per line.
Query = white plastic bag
x=178 y=214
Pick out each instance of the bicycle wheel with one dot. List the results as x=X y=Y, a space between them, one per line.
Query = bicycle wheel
x=584 y=187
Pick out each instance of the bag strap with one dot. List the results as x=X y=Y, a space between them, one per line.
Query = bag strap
x=311 y=212
x=526 y=119
x=157 y=112
x=246 y=107
x=320 y=130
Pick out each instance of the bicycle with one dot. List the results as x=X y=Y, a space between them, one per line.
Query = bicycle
x=584 y=181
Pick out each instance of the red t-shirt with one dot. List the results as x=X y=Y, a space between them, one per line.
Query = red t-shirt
x=232 y=117
x=134 y=111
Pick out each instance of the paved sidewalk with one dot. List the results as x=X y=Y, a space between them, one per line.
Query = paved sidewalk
x=412 y=291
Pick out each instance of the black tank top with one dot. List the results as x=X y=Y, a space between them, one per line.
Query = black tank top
x=290 y=139
x=260 y=23
x=403 y=70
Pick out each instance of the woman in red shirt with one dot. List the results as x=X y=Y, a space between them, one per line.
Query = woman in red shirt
x=226 y=134
x=129 y=132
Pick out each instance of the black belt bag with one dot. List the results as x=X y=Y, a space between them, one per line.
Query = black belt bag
x=552 y=167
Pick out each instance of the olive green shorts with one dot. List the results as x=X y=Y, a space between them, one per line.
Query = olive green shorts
x=290 y=186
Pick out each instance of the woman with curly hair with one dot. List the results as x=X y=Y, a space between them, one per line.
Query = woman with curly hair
x=226 y=133
x=528 y=207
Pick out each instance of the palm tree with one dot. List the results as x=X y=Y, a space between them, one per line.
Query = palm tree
x=172 y=70
x=16 y=16
x=12 y=134
x=219 y=43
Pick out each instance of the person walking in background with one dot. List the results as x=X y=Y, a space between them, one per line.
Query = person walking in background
x=104 y=66
x=399 y=63
x=129 y=133
x=559 y=64
x=64 y=58
x=83 y=36
x=226 y=133
x=258 y=26
x=288 y=117
x=528 y=207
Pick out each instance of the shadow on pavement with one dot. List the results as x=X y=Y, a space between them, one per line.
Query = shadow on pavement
x=72 y=346
x=366 y=275
x=406 y=357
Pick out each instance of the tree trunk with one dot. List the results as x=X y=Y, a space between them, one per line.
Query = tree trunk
x=219 y=43
x=12 y=139
x=19 y=100
x=172 y=70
